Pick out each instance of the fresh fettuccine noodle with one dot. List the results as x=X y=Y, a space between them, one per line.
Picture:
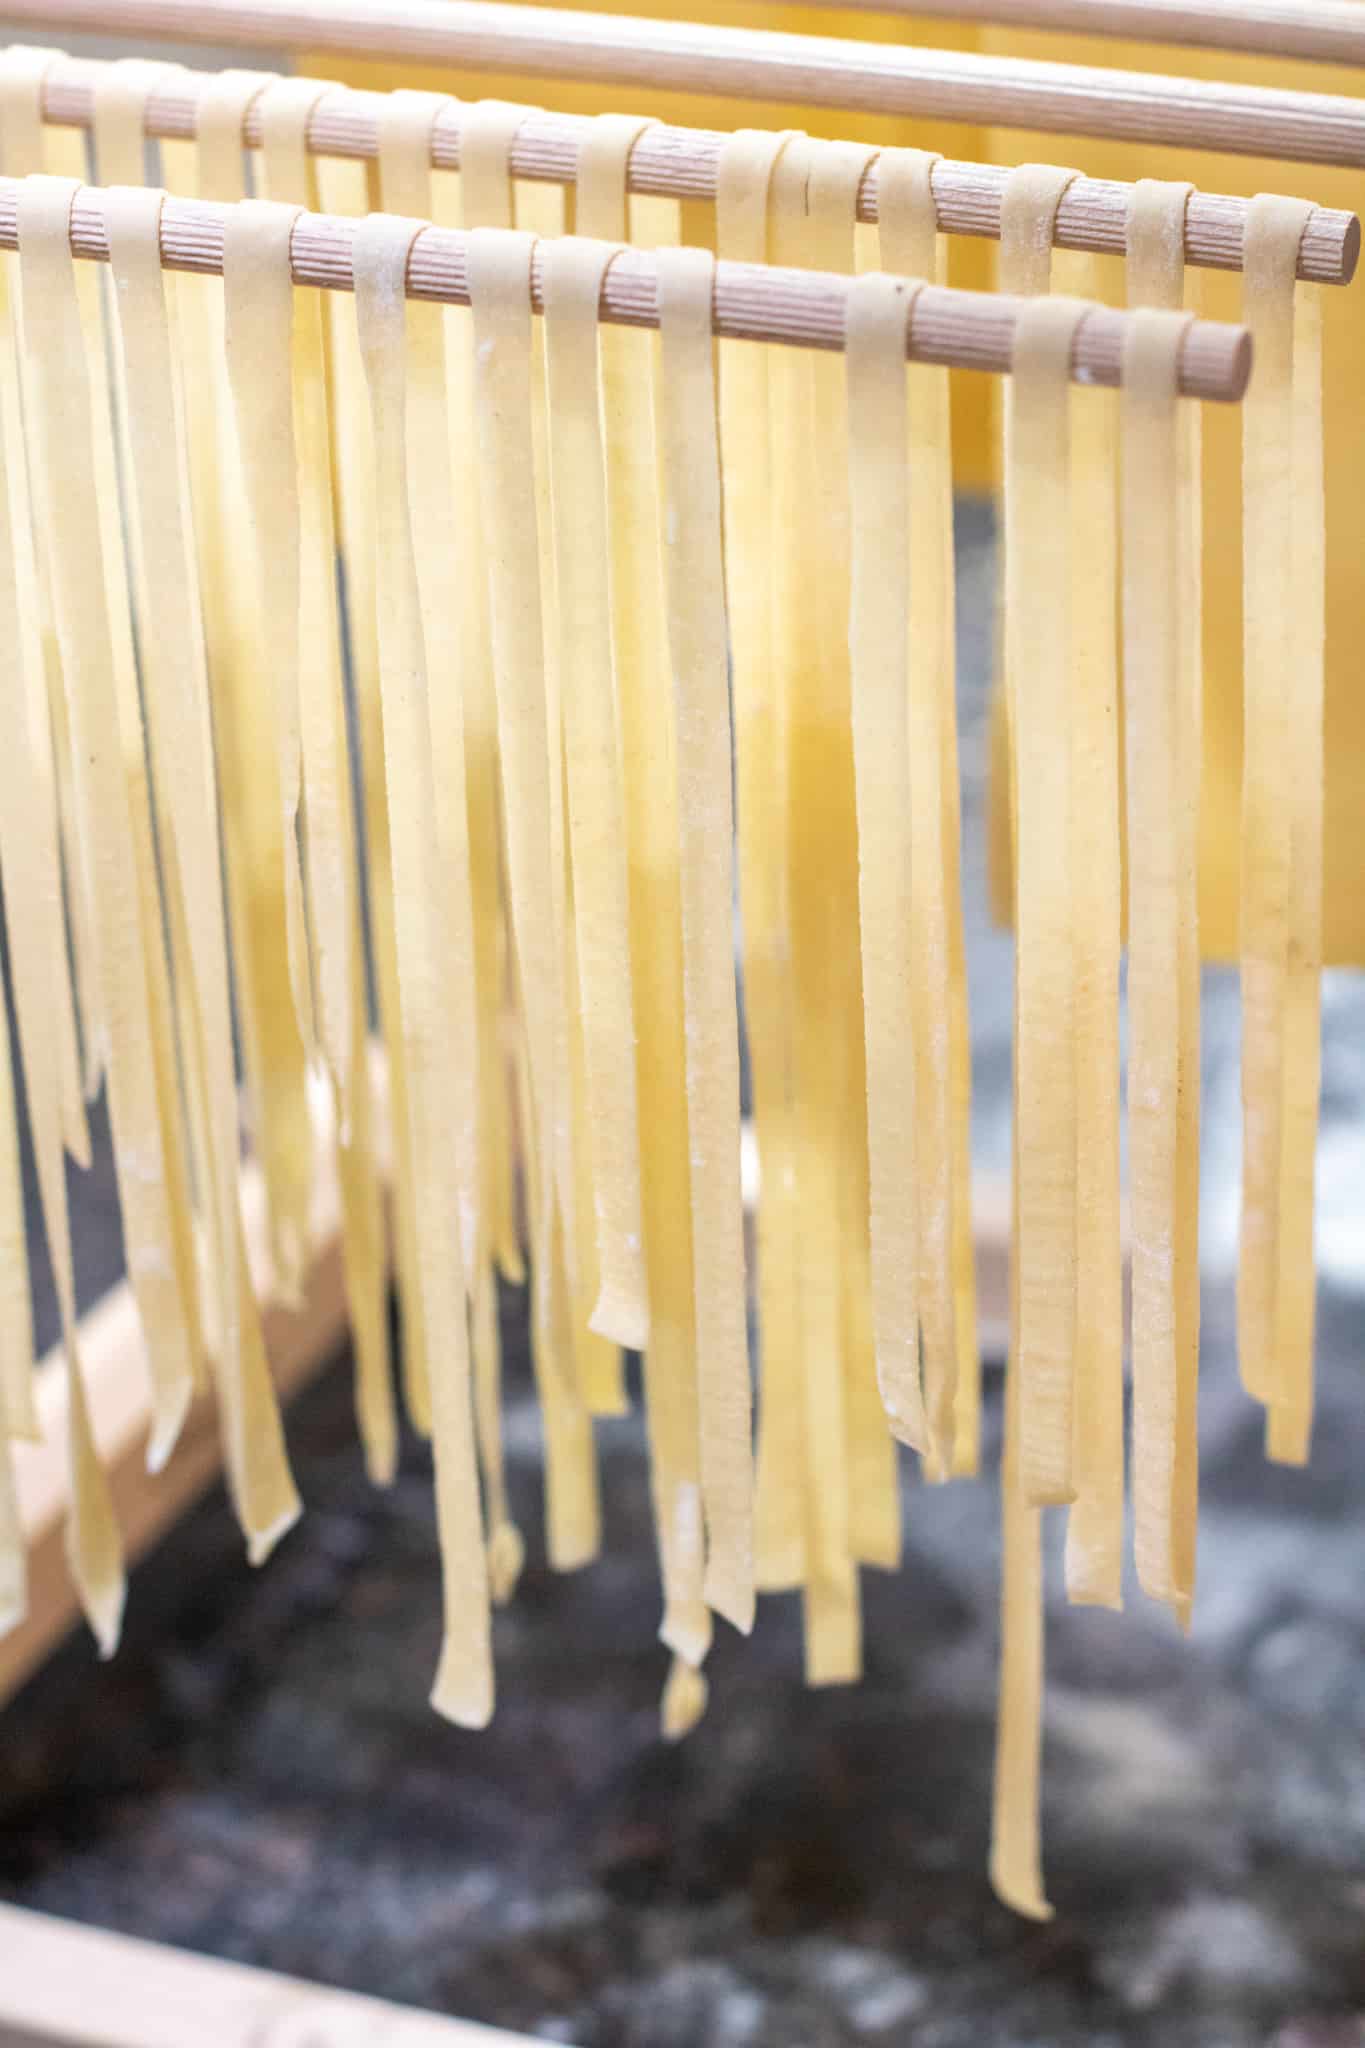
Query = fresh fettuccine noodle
x=289 y=176
x=1281 y=824
x=499 y=271
x=176 y=691
x=911 y=246
x=1037 y=607
x=464 y=1682
x=646 y=719
x=445 y=534
x=1289 y=1422
x=51 y=839
x=695 y=590
x=1152 y=676
x=573 y=280
x=244 y=718
x=1165 y=1173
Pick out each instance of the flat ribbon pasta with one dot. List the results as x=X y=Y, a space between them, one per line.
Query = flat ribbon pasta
x=289 y=176
x=695 y=588
x=464 y=1682
x=646 y=713
x=1281 y=824
x=911 y=246
x=744 y=178
x=444 y=532
x=1166 y=1325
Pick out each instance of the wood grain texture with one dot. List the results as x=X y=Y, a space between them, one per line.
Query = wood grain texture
x=68 y=1986
x=741 y=63
x=750 y=302
x=683 y=163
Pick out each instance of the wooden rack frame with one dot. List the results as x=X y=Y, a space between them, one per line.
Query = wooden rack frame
x=739 y=63
x=683 y=163
x=751 y=302
x=1323 y=31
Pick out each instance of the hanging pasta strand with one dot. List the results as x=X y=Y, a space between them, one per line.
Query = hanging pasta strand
x=499 y=272
x=498 y=1223
x=1290 y=1418
x=1281 y=826
x=879 y=312
x=176 y=693
x=573 y=1516
x=697 y=639
x=258 y=296
x=329 y=883
x=1269 y=257
x=1094 y=1538
x=649 y=781
x=110 y=788
x=464 y=1683
x=120 y=100
x=243 y=714
x=1045 y=1093
x=573 y=279
x=1156 y=278
x=911 y=246
x=598 y=1361
x=336 y=918
x=459 y=201
x=23 y=148
x=349 y=188
x=30 y=863
x=446 y=533
x=833 y=1647
x=1152 y=684
x=1037 y=607
x=744 y=177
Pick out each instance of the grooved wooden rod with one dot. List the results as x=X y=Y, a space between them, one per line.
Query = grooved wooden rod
x=682 y=163
x=479 y=35
x=751 y=302
x=1323 y=31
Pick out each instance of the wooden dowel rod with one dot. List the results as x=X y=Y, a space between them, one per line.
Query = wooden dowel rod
x=682 y=163
x=752 y=302
x=1322 y=31
x=739 y=63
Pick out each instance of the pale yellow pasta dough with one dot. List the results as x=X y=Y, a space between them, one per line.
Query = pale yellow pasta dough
x=443 y=534
x=1289 y=1421
x=289 y=174
x=910 y=244
x=52 y=826
x=464 y=1683
x=574 y=269
x=499 y=274
x=1094 y=1529
x=694 y=582
x=647 y=739
x=1156 y=267
x=1281 y=824
x=175 y=686
x=243 y=711
x=743 y=180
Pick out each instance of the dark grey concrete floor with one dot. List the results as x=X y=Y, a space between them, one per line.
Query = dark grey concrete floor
x=257 y=1774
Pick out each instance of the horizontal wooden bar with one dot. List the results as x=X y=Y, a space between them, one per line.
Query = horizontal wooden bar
x=67 y=1986
x=741 y=63
x=751 y=302
x=683 y=163
x=1322 y=31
